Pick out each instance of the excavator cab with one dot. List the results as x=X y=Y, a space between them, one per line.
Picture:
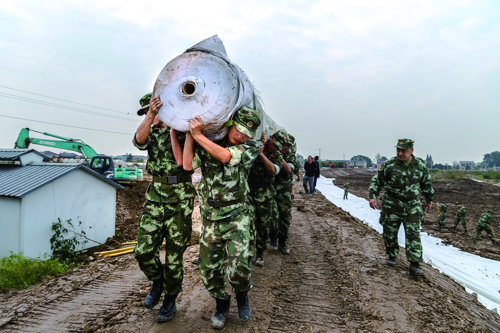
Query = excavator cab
x=103 y=165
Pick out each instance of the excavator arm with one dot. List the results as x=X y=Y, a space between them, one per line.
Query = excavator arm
x=24 y=140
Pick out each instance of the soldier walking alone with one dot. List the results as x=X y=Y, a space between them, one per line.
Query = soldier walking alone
x=402 y=177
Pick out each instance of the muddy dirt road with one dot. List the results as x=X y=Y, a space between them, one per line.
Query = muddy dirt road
x=335 y=280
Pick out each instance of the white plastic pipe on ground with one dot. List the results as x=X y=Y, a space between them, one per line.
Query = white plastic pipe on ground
x=475 y=273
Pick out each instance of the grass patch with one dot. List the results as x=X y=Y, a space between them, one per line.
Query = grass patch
x=459 y=174
x=18 y=271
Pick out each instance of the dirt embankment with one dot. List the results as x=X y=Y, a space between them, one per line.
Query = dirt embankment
x=478 y=198
x=334 y=280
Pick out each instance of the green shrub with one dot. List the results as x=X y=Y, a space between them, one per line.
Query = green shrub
x=64 y=247
x=17 y=271
x=491 y=174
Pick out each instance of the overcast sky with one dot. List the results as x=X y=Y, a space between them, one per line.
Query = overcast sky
x=346 y=77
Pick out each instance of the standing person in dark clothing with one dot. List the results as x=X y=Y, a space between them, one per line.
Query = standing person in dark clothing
x=310 y=169
x=316 y=174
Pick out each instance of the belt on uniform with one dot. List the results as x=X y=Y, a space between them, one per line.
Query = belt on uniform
x=219 y=204
x=169 y=180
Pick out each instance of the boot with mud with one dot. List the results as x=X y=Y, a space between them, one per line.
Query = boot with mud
x=283 y=248
x=155 y=294
x=391 y=261
x=274 y=244
x=244 y=309
x=168 y=309
x=259 y=262
x=415 y=269
x=221 y=311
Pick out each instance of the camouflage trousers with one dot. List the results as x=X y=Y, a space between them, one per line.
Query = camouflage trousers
x=480 y=229
x=171 y=221
x=227 y=238
x=266 y=215
x=441 y=218
x=345 y=194
x=461 y=220
x=284 y=204
x=391 y=221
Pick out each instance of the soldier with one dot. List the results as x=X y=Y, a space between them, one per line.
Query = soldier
x=461 y=217
x=167 y=211
x=484 y=224
x=346 y=190
x=284 y=197
x=262 y=191
x=225 y=210
x=442 y=214
x=403 y=177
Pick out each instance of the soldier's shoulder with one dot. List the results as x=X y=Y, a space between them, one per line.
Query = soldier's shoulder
x=388 y=163
x=251 y=143
x=420 y=161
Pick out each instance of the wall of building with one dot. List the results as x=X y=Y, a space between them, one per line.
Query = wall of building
x=78 y=196
x=10 y=215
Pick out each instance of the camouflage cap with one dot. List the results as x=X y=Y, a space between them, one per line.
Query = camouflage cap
x=457 y=203
x=291 y=139
x=281 y=139
x=405 y=143
x=144 y=101
x=247 y=120
x=491 y=211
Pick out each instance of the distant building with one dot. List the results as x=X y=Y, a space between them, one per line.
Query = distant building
x=380 y=162
x=467 y=165
x=428 y=162
x=359 y=163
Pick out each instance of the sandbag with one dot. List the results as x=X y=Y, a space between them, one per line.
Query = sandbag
x=203 y=82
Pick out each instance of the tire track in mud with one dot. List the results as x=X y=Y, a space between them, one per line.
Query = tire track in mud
x=314 y=294
x=83 y=309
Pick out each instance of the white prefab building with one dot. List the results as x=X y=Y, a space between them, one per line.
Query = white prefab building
x=33 y=195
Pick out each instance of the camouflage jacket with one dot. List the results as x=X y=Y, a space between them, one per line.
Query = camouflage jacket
x=161 y=162
x=402 y=183
x=296 y=164
x=283 y=180
x=442 y=208
x=260 y=180
x=484 y=220
x=462 y=212
x=346 y=187
x=224 y=182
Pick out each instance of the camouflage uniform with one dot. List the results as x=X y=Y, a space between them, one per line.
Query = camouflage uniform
x=284 y=200
x=226 y=217
x=424 y=215
x=166 y=213
x=402 y=183
x=442 y=214
x=261 y=196
x=346 y=190
x=484 y=224
x=461 y=218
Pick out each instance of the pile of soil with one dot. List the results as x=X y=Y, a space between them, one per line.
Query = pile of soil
x=478 y=198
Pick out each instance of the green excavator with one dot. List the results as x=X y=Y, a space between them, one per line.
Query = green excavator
x=101 y=164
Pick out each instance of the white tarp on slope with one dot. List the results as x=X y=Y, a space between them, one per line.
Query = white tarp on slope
x=475 y=273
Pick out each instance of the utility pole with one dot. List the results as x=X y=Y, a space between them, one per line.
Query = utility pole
x=319 y=153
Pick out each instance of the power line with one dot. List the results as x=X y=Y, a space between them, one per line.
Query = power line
x=46 y=122
x=60 y=106
x=59 y=99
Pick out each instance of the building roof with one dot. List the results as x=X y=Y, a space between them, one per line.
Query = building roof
x=18 y=181
x=15 y=154
x=466 y=162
